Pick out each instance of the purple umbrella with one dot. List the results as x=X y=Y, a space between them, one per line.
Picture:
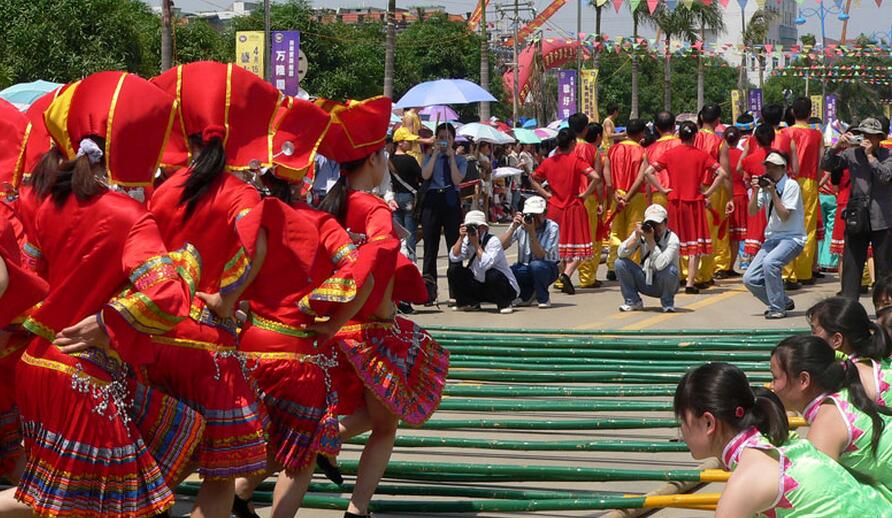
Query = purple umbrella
x=441 y=113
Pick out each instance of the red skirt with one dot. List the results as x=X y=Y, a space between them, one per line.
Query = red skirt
x=86 y=453
x=838 y=238
x=400 y=363
x=10 y=427
x=688 y=220
x=199 y=365
x=575 y=234
x=738 y=218
x=755 y=233
x=294 y=385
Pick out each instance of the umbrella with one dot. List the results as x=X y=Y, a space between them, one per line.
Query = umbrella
x=444 y=91
x=530 y=124
x=558 y=124
x=505 y=172
x=432 y=125
x=23 y=94
x=395 y=119
x=501 y=126
x=526 y=136
x=442 y=113
x=484 y=133
x=545 y=133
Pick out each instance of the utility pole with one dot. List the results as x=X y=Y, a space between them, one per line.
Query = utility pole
x=578 y=54
x=597 y=56
x=267 y=24
x=484 y=61
x=390 y=49
x=741 y=81
x=514 y=10
x=166 y=35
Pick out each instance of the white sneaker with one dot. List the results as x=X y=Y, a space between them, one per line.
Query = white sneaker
x=506 y=311
x=638 y=306
x=525 y=303
x=544 y=305
x=669 y=309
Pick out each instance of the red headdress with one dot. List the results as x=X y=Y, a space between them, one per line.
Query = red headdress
x=225 y=101
x=130 y=114
x=13 y=137
x=39 y=139
x=302 y=127
x=358 y=128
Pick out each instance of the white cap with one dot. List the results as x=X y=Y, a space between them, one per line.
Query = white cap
x=655 y=213
x=775 y=158
x=534 y=205
x=475 y=217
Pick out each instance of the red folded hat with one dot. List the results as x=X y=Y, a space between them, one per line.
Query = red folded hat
x=39 y=139
x=220 y=100
x=358 y=128
x=132 y=115
x=303 y=125
x=13 y=137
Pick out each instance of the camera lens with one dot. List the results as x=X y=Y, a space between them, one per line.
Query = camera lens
x=528 y=218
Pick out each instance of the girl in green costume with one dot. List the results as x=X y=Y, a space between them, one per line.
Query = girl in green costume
x=776 y=473
x=844 y=422
x=845 y=325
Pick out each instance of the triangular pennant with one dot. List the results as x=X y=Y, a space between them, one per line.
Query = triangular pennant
x=652 y=5
x=617 y=4
x=742 y=4
x=634 y=4
x=688 y=3
x=724 y=3
x=670 y=4
x=707 y=2
x=760 y=3
x=879 y=3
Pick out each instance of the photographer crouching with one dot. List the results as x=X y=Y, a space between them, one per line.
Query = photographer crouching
x=657 y=274
x=537 y=251
x=785 y=236
x=478 y=270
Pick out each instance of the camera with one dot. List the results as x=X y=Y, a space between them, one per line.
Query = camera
x=764 y=181
x=472 y=230
x=527 y=218
x=647 y=226
x=856 y=140
x=443 y=144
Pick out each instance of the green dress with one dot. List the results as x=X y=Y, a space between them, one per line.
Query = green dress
x=858 y=456
x=811 y=484
x=882 y=375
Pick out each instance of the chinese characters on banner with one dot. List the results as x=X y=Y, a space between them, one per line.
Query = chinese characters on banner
x=735 y=104
x=566 y=93
x=249 y=51
x=817 y=106
x=284 y=54
x=588 y=82
x=830 y=113
x=754 y=103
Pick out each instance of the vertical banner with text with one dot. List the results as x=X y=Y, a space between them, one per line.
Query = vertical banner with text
x=754 y=103
x=588 y=82
x=566 y=93
x=830 y=109
x=249 y=51
x=817 y=106
x=735 y=104
x=285 y=53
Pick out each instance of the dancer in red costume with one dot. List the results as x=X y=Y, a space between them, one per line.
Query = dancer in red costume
x=102 y=444
x=225 y=116
x=390 y=369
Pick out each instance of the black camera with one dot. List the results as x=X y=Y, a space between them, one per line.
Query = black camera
x=764 y=180
x=647 y=226
x=527 y=218
x=472 y=230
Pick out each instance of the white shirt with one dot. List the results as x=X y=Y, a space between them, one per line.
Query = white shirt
x=791 y=197
x=493 y=257
x=665 y=253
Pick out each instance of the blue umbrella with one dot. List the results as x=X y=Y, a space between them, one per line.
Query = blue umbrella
x=444 y=91
x=23 y=94
x=531 y=124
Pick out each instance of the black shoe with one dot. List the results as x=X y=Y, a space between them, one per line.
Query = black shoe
x=611 y=275
x=818 y=275
x=405 y=308
x=721 y=274
x=809 y=282
x=792 y=285
x=701 y=285
x=732 y=273
x=330 y=470
x=241 y=509
x=864 y=290
x=691 y=290
x=567 y=285
x=351 y=515
x=791 y=306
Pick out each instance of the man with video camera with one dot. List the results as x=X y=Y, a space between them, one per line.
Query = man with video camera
x=478 y=270
x=785 y=235
x=657 y=273
x=537 y=251
x=868 y=215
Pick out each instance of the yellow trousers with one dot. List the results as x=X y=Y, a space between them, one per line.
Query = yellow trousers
x=588 y=269
x=623 y=225
x=800 y=268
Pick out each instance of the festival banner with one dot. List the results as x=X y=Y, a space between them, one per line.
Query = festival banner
x=588 y=82
x=284 y=54
x=735 y=104
x=477 y=15
x=754 y=103
x=566 y=93
x=830 y=109
x=817 y=106
x=537 y=22
x=249 y=51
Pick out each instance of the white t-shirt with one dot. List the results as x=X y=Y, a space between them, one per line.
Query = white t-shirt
x=791 y=197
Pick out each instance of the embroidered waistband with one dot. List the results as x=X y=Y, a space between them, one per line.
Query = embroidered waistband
x=192 y=344
x=205 y=316
x=280 y=327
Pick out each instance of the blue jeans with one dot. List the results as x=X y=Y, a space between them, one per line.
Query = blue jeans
x=633 y=281
x=535 y=277
x=764 y=276
x=404 y=216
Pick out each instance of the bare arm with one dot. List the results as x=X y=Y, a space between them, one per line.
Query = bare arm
x=651 y=177
x=539 y=189
x=720 y=177
x=636 y=185
x=593 y=183
x=4 y=277
x=428 y=170
x=828 y=431
x=752 y=487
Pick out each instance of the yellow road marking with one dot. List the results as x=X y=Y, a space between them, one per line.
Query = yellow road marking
x=708 y=301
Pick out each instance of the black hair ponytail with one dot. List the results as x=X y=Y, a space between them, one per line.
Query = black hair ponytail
x=206 y=167
x=849 y=318
x=277 y=188
x=812 y=354
x=724 y=391
x=335 y=201
x=687 y=131
x=565 y=139
x=58 y=178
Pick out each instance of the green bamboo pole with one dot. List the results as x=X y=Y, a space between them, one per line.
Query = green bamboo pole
x=616 y=332
x=703 y=356
x=760 y=344
x=573 y=377
x=518 y=365
x=606 y=423
x=406 y=441
x=651 y=364
x=550 y=405
x=477 y=390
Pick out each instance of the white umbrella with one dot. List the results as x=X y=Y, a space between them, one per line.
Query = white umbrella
x=484 y=133
x=505 y=172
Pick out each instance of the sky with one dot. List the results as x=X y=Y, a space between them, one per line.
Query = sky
x=866 y=16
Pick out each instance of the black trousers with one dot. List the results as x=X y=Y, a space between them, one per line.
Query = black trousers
x=440 y=214
x=468 y=291
x=855 y=255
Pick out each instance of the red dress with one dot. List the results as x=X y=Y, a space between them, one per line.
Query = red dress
x=309 y=256
x=565 y=173
x=198 y=362
x=98 y=443
x=688 y=170
x=741 y=200
x=755 y=226
x=400 y=363
x=656 y=151
x=838 y=239
x=25 y=289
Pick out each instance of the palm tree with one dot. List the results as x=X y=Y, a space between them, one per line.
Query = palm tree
x=707 y=18
x=756 y=33
x=639 y=14
x=390 y=48
x=672 y=22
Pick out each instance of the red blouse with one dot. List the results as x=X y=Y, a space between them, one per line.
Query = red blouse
x=565 y=173
x=25 y=288
x=688 y=169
